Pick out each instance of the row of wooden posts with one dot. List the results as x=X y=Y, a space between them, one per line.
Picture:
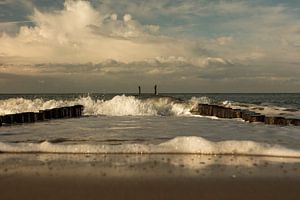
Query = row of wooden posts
x=249 y=116
x=42 y=115
x=201 y=109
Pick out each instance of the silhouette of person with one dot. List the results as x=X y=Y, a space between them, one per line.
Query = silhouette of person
x=155 y=89
x=140 y=90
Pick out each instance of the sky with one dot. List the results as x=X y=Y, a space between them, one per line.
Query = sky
x=107 y=46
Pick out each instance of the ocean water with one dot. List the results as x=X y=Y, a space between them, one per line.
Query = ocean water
x=126 y=123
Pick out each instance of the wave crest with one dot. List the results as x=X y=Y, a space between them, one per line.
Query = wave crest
x=119 y=105
x=179 y=145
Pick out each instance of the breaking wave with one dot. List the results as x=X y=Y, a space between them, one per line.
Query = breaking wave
x=178 y=145
x=119 y=105
x=264 y=108
x=122 y=105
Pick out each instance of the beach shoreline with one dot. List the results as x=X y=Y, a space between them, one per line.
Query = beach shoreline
x=122 y=176
x=147 y=188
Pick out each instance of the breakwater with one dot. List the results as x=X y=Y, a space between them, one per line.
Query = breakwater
x=42 y=115
x=249 y=116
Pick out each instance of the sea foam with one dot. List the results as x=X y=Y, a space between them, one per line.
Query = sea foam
x=178 y=145
x=266 y=109
x=119 y=105
x=122 y=105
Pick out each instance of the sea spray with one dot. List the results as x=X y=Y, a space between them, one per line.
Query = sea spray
x=122 y=105
x=119 y=105
x=178 y=145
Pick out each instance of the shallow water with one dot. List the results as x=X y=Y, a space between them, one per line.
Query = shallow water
x=128 y=124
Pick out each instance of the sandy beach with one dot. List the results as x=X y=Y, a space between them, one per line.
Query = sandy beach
x=165 y=176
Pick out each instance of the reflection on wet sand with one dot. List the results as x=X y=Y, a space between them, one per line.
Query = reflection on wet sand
x=148 y=165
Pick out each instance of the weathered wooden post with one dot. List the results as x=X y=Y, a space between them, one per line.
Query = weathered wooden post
x=275 y=120
x=26 y=117
x=19 y=118
x=33 y=117
x=257 y=118
x=48 y=114
x=65 y=111
x=295 y=122
x=246 y=115
x=73 y=111
x=29 y=117
x=55 y=113
x=77 y=110
x=40 y=116
x=60 y=113
x=237 y=113
x=8 y=119
x=70 y=111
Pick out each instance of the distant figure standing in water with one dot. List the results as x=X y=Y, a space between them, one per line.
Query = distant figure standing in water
x=140 y=92
x=155 y=89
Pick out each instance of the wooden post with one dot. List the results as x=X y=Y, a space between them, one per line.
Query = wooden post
x=73 y=111
x=33 y=117
x=70 y=111
x=55 y=113
x=29 y=117
x=40 y=116
x=257 y=118
x=77 y=110
x=48 y=114
x=295 y=122
x=8 y=119
x=276 y=121
x=19 y=118
x=65 y=112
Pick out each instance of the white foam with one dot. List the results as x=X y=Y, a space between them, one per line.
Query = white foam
x=179 y=145
x=119 y=105
x=17 y=105
x=263 y=109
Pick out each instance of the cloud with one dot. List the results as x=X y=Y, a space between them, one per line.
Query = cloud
x=171 y=74
x=80 y=34
x=191 y=45
x=111 y=30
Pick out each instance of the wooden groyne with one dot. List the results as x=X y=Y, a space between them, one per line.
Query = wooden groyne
x=42 y=115
x=249 y=116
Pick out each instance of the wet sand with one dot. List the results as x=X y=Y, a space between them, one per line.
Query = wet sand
x=52 y=176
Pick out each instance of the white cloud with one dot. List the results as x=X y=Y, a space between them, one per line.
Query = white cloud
x=79 y=34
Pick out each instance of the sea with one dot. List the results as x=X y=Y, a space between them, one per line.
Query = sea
x=151 y=124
